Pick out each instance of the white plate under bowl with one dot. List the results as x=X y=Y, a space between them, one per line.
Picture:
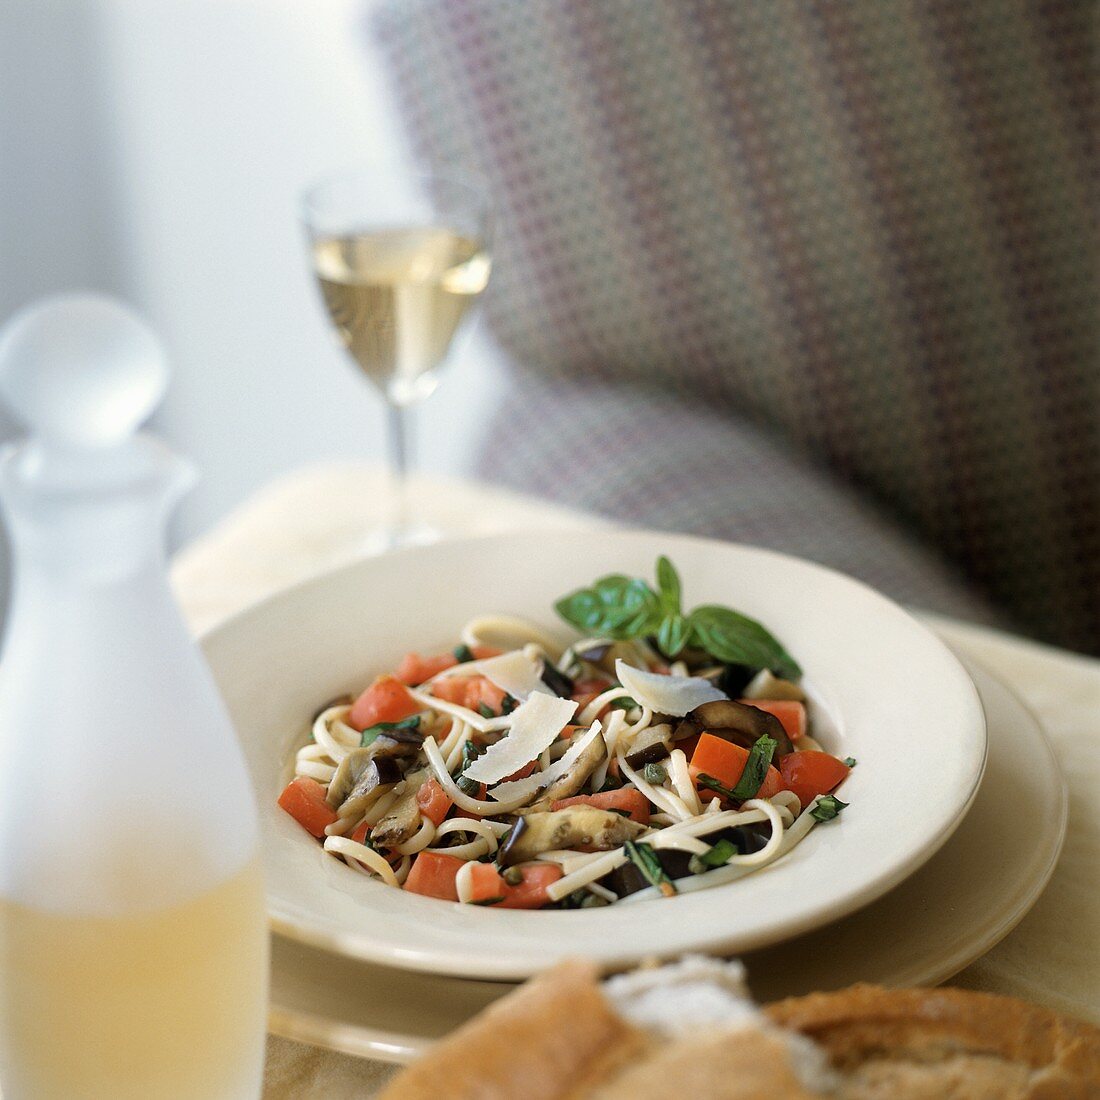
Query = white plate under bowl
x=953 y=910
x=900 y=701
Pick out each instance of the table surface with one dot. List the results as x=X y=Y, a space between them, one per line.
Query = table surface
x=318 y=518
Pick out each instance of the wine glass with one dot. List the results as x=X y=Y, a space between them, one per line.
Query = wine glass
x=401 y=257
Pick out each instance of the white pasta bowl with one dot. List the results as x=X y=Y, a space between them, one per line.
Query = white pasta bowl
x=888 y=693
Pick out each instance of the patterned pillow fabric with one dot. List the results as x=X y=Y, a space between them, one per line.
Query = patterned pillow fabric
x=627 y=452
x=865 y=226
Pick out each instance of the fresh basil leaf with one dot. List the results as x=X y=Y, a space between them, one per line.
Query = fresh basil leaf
x=470 y=752
x=617 y=606
x=372 y=733
x=828 y=806
x=716 y=856
x=734 y=638
x=850 y=761
x=463 y=653
x=673 y=634
x=756 y=768
x=668 y=586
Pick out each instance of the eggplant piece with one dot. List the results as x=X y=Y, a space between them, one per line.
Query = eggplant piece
x=737 y=722
x=359 y=781
x=575 y=778
x=556 y=680
x=573 y=827
x=766 y=685
x=651 y=745
x=403 y=819
x=397 y=744
x=628 y=879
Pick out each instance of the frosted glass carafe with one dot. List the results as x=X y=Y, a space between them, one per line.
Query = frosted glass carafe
x=133 y=945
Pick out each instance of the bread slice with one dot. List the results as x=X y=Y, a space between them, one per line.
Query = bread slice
x=563 y=1036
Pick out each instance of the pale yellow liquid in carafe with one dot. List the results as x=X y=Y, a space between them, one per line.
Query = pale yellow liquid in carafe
x=157 y=1006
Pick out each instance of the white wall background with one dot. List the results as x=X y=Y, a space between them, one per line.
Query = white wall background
x=156 y=149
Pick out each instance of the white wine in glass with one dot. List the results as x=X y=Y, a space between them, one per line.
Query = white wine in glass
x=400 y=261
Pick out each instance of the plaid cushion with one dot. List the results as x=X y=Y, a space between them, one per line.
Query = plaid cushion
x=625 y=451
x=864 y=226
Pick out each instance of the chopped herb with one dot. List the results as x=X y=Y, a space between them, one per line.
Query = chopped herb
x=756 y=768
x=717 y=856
x=513 y=876
x=828 y=806
x=488 y=901
x=470 y=752
x=372 y=733
x=610 y=784
x=463 y=654
x=508 y=704
x=712 y=784
x=645 y=859
x=655 y=774
x=850 y=761
x=485 y=710
x=624 y=703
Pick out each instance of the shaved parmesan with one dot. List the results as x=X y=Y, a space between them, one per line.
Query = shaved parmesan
x=535 y=725
x=525 y=788
x=516 y=673
x=674 y=695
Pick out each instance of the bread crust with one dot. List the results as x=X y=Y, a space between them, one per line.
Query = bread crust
x=553 y=1036
x=901 y=1040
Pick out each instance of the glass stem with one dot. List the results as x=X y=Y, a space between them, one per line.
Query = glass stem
x=399 y=471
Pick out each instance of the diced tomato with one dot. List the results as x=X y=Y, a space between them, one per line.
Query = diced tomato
x=304 y=799
x=531 y=892
x=470 y=691
x=484 y=693
x=810 y=773
x=790 y=712
x=386 y=700
x=433 y=875
x=486 y=885
x=359 y=834
x=522 y=773
x=725 y=761
x=434 y=802
x=452 y=689
x=632 y=802
x=415 y=669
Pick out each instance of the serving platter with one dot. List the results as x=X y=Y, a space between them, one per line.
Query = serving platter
x=896 y=697
x=964 y=900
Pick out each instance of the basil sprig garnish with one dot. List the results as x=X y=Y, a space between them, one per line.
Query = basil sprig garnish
x=828 y=806
x=372 y=733
x=621 y=607
x=752 y=776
